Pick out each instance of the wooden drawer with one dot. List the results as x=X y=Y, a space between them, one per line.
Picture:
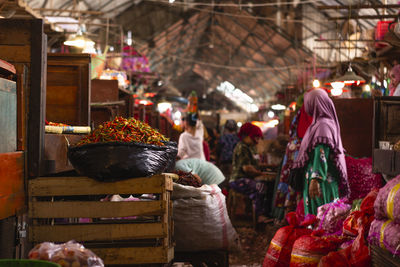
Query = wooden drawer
x=57 y=203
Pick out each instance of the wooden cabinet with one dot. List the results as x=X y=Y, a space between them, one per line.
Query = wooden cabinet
x=355 y=118
x=386 y=128
x=68 y=89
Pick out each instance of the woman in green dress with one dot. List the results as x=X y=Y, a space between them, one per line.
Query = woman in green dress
x=321 y=154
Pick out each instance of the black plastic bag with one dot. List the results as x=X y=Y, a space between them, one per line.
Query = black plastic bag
x=116 y=161
x=172 y=149
x=296 y=179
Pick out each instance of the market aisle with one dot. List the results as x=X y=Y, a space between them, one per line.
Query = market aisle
x=254 y=245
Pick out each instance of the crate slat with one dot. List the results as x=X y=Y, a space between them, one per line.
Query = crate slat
x=134 y=255
x=96 y=232
x=95 y=209
x=73 y=186
x=382 y=258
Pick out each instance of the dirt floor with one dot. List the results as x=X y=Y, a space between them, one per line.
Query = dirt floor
x=254 y=243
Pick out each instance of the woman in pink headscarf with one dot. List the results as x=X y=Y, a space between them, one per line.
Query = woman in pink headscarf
x=394 y=87
x=321 y=154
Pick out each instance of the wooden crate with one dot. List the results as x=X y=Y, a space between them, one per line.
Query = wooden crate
x=383 y=258
x=56 y=203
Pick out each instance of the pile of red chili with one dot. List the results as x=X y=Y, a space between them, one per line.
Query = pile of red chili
x=124 y=130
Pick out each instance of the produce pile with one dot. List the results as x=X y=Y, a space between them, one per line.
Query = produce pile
x=70 y=254
x=124 y=130
x=187 y=178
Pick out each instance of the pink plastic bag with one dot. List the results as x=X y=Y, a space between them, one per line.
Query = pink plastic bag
x=332 y=215
x=66 y=254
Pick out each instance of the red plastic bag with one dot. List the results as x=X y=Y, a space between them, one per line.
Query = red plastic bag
x=309 y=249
x=356 y=255
x=280 y=248
x=362 y=218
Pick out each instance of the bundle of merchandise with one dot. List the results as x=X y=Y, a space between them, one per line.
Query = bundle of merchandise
x=66 y=255
x=385 y=229
x=280 y=248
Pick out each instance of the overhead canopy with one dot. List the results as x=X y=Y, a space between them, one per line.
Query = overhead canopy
x=260 y=47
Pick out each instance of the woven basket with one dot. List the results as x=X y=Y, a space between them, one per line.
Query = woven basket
x=383 y=258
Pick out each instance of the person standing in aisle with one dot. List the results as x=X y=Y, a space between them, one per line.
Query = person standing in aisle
x=321 y=154
x=226 y=145
x=246 y=176
x=190 y=144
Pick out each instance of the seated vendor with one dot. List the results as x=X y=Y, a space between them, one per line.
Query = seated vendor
x=208 y=172
x=247 y=178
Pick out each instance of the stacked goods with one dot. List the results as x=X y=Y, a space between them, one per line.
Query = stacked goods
x=385 y=229
x=121 y=149
x=201 y=220
x=280 y=249
x=361 y=218
x=385 y=207
x=357 y=224
x=361 y=178
x=332 y=215
x=309 y=249
x=356 y=255
x=188 y=178
x=385 y=234
x=126 y=131
x=70 y=254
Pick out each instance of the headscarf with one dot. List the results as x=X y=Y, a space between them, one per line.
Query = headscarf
x=250 y=130
x=394 y=79
x=325 y=129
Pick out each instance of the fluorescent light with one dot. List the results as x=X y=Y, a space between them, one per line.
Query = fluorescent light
x=316 y=83
x=271 y=114
x=337 y=88
x=278 y=107
x=171 y=1
x=163 y=106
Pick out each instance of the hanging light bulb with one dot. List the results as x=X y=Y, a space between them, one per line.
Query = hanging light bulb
x=337 y=88
x=316 y=83
x=79 y=41
x=350 y=77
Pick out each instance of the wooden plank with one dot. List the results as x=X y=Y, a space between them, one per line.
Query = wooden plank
x=94 y=209
x=37 y=99
x=12 y=193
x=22 y=78
x=72 y=186
x=95 y=232
x=16 y=53
x=20 y=37
x=134 y=255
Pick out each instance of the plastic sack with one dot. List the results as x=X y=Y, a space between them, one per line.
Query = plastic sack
x=280 y=248
x=332 y=215
x=361 y=218
x=70 y=254
x=201 y=221
x=309 y=249
x=172 y=150
x=361 y=178
x=356 y=255
x=115 y=160
x=388 y=195
x=385 y=234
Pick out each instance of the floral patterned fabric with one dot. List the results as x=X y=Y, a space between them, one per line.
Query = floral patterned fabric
x=320 y=167
x=284 y=196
